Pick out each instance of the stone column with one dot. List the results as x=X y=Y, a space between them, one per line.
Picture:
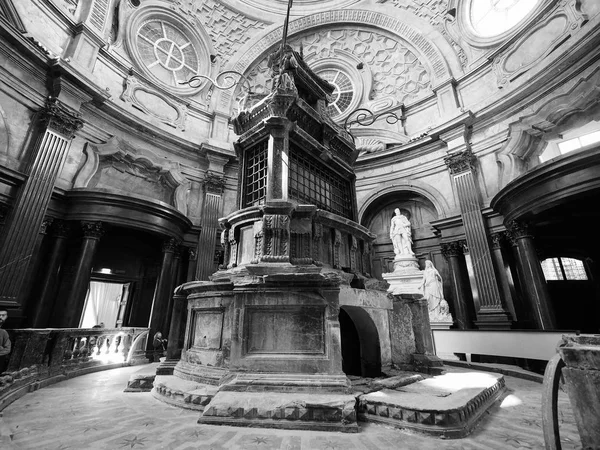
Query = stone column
x=490 y=311
x=162 y=294
x=74 y=303
x=175 y=275
x=192 y=263
x=533 y=282
x=48 y=283
x=214 y=186
x=177 y=327
x=27 y=213
x=501 y=270
x=452 y=251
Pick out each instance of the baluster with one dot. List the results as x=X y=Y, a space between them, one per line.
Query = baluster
x=76 y=348
x=113 y=345
x=104 y=349
x=84 y=348
x=68 y=353
x=126 y=345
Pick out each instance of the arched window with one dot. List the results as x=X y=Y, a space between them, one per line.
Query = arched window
x=560 y=268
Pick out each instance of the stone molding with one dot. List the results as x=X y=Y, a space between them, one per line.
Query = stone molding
x=534 y=45
x=61 y=119
x=276 y=230
x=461 y=162
x=179 y=110
x=92 y=230
x=137 y=162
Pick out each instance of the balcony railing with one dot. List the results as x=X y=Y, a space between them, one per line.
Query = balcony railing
x=39 y=355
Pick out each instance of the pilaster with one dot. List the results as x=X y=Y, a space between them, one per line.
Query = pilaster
x=27 y=213
x=461 y=164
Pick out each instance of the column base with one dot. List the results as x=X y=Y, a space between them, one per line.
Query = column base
x=493 y=320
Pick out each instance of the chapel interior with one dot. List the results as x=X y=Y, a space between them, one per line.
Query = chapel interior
x=206 y=189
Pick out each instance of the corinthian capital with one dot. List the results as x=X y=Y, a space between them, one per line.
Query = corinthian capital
x=61 y=119
x=460 y=162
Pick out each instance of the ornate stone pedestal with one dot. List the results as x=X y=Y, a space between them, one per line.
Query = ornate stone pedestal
x=406 y=277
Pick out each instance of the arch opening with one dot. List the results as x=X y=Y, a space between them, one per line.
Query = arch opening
x=361 y=351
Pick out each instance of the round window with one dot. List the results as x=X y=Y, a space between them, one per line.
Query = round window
x=344 y=92
x=166 y=52
x=490 y=18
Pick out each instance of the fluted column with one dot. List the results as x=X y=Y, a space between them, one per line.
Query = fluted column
x=162 y=294
x=73 y=307
x=177 y=327
x=213 y=190
x=452 y=251
x=40 y=312
x=27 y=213
x=533 y=282
x=490 y=311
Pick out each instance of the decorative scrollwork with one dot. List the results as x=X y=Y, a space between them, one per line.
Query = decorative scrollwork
x=228 y=79
x=365 y=118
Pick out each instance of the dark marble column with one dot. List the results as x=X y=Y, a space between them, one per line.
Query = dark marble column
x=177 y=327
x=74 y=303
x=192 y=263
x=162 y=294
x=27 y=213
x=175 y=281
x=502 y=272
x=213 y=190
x=452 y=251
x=490 y=311
x=533 y=282
x=40 y=312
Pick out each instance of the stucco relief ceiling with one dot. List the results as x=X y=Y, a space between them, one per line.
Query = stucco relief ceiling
x=394 y=68
x=300 y=7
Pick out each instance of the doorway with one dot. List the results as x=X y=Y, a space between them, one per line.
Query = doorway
x=105 y=304
x=361 y=351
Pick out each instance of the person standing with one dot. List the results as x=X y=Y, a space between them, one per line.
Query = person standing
x=4 y=342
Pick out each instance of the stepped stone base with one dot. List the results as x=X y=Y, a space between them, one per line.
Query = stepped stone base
x=446 y=406
x=295 y=411
x=142 y=380
x=183 y=393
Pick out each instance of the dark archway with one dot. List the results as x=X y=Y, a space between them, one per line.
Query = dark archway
x=361 y=352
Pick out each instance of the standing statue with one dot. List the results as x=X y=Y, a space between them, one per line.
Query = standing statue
x=433 y=291
x=401 y=234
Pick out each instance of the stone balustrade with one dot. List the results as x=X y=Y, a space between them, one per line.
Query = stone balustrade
x=44 y=356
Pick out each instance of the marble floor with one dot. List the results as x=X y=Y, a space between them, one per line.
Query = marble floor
x=93 y=412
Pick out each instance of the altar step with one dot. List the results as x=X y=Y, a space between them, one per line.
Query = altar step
x=447 y=406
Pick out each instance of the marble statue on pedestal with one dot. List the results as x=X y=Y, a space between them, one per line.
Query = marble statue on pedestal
x=401 y=234
x=432 y=290
x=406 y=277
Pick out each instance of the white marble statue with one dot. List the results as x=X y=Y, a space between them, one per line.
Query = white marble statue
x=432 y=290
x=401 y=234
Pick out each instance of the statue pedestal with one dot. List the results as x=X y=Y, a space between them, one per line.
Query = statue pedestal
x=406 y=277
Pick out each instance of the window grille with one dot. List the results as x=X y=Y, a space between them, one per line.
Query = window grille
x=563 y=269
x=255 y=176
x=310 y=182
